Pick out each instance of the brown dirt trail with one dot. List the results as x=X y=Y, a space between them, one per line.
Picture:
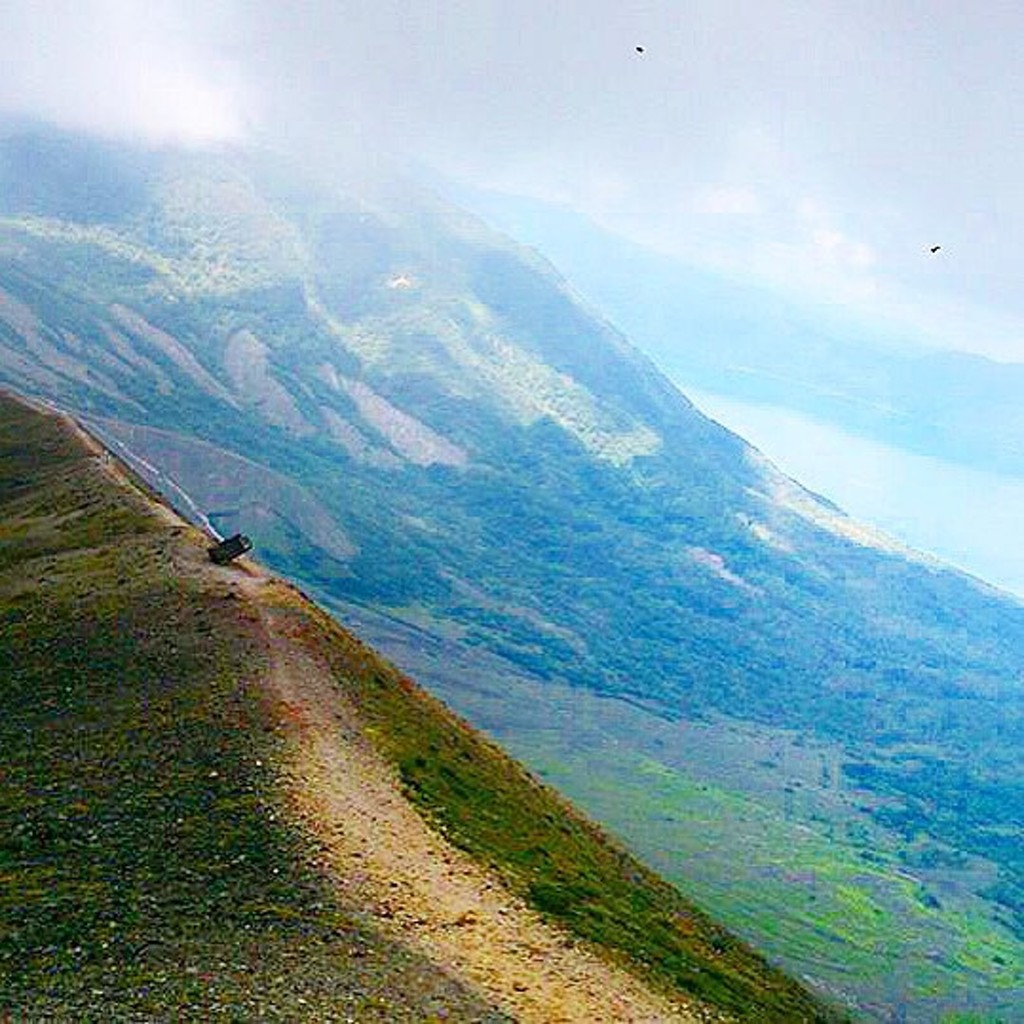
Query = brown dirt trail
x=418 y=886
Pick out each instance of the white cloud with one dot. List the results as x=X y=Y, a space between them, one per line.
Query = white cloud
x=726 y=199
x=121 y=67
x=833 y=247
x=818 y=147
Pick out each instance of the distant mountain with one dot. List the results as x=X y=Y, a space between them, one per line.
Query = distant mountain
x=420 y=421
x=737 y=339
x=216 y=802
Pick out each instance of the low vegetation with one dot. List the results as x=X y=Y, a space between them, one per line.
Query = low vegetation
x=560 y=862
x=144 y=869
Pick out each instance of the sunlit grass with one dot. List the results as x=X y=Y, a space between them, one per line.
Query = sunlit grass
x=804 y=897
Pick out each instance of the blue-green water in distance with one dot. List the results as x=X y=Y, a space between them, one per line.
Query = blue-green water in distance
x=973 y=519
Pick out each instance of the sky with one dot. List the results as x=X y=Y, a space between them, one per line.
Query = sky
x=820 y=147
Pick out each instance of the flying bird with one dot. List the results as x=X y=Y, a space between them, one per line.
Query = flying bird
x=639 y=49
x=935 y=248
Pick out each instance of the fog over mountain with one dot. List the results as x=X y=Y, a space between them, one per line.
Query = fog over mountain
x=926 y=444
x=822 y=147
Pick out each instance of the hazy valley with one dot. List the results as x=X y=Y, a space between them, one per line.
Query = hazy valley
x=898 y=432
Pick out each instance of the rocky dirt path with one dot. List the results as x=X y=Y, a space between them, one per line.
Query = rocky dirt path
x=383 y=856
x=419 y=887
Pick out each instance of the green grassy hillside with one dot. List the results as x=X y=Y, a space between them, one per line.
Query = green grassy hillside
x=144 y=872
x=545 y=850
x=145 y=865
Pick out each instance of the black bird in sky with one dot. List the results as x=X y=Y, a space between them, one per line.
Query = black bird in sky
x=936 y=248
x=639 y=49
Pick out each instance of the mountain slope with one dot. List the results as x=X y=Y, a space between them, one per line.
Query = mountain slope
x=420 y=421
x=215 y=801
